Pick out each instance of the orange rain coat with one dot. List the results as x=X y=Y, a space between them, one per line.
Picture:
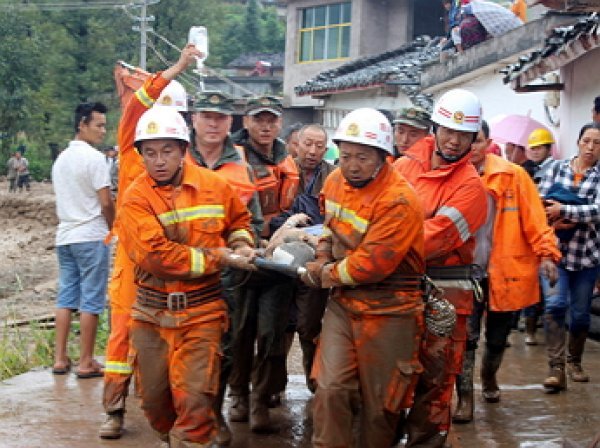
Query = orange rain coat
x=521 y=236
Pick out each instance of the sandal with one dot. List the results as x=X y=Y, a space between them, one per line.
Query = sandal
x=62 y=370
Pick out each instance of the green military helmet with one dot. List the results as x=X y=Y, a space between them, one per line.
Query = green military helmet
x=265 y=103
x=213 y=102
x=414 y=116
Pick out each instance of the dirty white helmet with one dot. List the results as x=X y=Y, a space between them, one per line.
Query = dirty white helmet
x=161 y=123
x=368 y=127
x=173 y=95
x=458 y=109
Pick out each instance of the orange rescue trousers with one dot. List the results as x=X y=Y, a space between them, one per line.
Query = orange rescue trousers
x=369 y=360
x=117 y=373
x=177 y=364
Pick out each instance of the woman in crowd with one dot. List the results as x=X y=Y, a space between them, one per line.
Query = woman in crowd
x=572 y=198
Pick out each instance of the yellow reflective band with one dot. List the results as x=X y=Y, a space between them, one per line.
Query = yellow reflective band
x=191 y=213
x=345 y=277
x=240 y=234
x=326 y=232
x=197 y=261
x=121 y=368
x=346 y=215
x=144 y=98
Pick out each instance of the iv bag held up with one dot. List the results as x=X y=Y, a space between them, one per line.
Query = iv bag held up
x=199 y=37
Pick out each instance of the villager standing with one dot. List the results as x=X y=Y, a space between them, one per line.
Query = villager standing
x=451 y=192
x=572 y=199
x=371 y=256
x=85 y=213
x=11 y=173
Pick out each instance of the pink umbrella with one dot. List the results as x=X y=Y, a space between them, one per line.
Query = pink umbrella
x=514 y=129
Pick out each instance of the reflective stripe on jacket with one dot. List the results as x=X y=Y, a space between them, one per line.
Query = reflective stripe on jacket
x=373 y=234
x=521 y=236
x=455 y=201
x=172 y=234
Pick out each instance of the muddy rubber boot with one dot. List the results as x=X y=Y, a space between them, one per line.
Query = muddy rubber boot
x=112 y=428
x=238 y=411
x=260 y=420
x=530 y=329
x=490 y=364
x=576 y=346
x=224 y=436
x=555 y=345
x=464 y=390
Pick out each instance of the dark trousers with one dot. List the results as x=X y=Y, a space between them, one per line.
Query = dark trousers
x=261 y=316
x=497 y=324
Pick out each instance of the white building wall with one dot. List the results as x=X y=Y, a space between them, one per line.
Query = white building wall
x=582 y=85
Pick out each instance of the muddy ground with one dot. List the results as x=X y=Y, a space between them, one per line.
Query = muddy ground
x=28 y=271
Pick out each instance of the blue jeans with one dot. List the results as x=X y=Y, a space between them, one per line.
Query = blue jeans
x=83 y=276
x=574 y=294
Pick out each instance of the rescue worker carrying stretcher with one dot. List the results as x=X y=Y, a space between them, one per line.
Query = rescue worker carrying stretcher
x=162 y=90
x=439 y=169
x=180 y=225
x=371 y=254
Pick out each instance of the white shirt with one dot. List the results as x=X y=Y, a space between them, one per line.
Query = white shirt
x=77 y=175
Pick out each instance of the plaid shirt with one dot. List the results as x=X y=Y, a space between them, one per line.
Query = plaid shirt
x=583 y=250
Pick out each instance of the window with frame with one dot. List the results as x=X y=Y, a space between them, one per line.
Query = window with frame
x=325 y=32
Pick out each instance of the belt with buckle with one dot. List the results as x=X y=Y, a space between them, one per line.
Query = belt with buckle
x=177 y=301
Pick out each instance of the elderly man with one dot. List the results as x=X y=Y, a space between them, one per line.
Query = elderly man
x=309 y=302
x=410 y=125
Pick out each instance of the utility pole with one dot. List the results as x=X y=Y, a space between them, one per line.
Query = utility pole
x=143 y=28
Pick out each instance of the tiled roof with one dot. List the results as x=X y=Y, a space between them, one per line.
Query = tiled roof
x=562 y=46
x=249 y=60
x=401 y=67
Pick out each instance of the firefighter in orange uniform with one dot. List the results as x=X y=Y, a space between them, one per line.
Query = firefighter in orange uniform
x=371 y=254
x=452 y=195
x=212 y=148
x=262 y=307
x=181 y=225
x=161 y=89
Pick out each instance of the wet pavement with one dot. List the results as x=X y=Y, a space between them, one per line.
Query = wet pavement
x=41 y=410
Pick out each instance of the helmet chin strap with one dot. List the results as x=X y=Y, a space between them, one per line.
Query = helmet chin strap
x=450 y=159
x=364 y=183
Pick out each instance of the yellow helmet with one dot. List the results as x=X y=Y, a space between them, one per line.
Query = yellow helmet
x=539 y=137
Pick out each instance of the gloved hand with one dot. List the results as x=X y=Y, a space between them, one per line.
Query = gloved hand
x=238 y=259
x=312 y=276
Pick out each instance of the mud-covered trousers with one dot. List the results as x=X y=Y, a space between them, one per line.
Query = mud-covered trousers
x=367 y=363
x=428 y=421
x=260 y=315
x=176 y=366
x=117 y=372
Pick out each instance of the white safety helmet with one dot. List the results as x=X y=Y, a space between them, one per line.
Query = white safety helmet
x=458 y=109
x=173 y=95
x=368 y=127
x=161 y=123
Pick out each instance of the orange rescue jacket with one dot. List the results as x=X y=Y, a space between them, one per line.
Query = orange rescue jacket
x=520 y=238
x=454 y=200
x=375 y=236
x=172 y=234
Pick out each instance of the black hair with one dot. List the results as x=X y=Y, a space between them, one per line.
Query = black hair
x=485 y=127
x=287 y=133
x=597 y=104
x=84 y=111
x=592 y=125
